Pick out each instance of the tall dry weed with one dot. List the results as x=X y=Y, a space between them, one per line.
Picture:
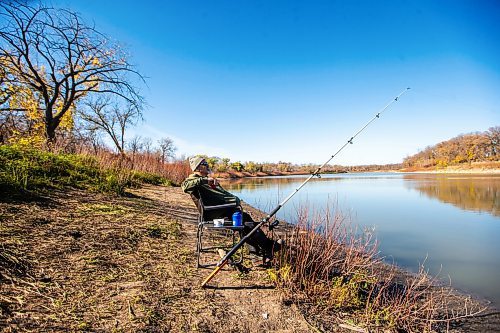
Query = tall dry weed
x=143 y=162
x=334 y=268
x=126 y=169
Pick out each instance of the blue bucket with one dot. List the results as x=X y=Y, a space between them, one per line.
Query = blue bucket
x=237 y=219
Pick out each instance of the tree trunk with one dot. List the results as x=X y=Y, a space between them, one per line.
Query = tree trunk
x=50 y=134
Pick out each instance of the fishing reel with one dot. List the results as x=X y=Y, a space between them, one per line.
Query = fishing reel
x=274 y=224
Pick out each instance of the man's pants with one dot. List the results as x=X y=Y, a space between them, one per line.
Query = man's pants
x=258 y=240
x=260 y=243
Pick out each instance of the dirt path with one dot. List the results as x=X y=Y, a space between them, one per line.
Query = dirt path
x=76 y=261
x=240 y=302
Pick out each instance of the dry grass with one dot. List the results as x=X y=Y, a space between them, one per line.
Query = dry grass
x=175 y=171
x=88 y=263
x=27 y=169
x=333 y=271
x=79 y=261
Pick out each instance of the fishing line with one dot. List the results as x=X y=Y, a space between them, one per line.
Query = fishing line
x=243 y=240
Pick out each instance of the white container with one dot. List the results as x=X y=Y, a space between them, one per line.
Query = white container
x=218 y=222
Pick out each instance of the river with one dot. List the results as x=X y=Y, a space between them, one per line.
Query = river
x=450 y=221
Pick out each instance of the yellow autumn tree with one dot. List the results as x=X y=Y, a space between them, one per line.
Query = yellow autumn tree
x=20 y=119
x=55 y=61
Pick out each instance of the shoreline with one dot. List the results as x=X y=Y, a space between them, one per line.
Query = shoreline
x=474 y=168
x=484 y=175
x=473 y=171
x=457 y=171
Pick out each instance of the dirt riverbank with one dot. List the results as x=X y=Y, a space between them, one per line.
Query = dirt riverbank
x=465 y=168
x=482 y=168
x=79 y=261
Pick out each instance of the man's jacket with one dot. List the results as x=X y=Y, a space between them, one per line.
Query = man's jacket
x=210 y=196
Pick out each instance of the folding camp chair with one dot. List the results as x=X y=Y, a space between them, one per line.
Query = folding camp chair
x=205 y=224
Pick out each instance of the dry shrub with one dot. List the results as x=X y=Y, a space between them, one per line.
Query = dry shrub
x=333 y=268
x=146 y=163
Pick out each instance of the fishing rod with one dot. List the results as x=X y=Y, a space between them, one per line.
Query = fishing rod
x=265 y=220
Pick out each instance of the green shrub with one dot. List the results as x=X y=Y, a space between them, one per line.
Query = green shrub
x=148 y=178
x=30 y=169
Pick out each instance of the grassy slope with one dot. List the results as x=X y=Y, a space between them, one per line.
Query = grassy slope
x=25 y=169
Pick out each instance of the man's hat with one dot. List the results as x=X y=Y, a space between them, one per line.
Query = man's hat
x=195 y=161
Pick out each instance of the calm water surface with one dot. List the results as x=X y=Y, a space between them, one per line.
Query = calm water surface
x=452 y=220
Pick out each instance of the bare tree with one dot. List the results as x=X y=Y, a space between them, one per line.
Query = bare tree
x=147 y=145
x=102 y=114
x=61 y=60
x=167 y=148
x=135 y=145
x=87 y=138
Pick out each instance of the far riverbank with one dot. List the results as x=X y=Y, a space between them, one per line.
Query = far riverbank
x=474 y=168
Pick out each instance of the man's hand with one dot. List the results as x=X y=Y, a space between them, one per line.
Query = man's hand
x=212 y=182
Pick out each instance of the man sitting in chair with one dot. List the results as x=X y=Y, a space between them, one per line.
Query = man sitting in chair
x=213 y=194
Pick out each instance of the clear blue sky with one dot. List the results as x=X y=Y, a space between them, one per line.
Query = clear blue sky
x=293 y=80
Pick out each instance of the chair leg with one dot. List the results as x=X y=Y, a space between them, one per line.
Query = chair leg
x=199 y=234
x=242 y=249
x=200 y=249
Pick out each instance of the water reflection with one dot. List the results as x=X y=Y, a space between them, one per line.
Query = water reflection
x=416 y=216
x=467 y=192
x=265 y=183
x=473 y=193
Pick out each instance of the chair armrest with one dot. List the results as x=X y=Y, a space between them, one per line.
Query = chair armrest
x=229 y=205
x=227 y=227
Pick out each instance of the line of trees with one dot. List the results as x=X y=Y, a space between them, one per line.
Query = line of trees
x=218 y=164
x=465 y=148
x=224 y=164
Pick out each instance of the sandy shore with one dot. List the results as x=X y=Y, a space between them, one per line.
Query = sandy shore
x=460 y=171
